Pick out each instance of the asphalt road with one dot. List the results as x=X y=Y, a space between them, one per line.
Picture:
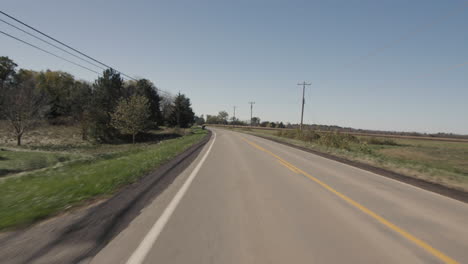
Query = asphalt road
x=250 y=200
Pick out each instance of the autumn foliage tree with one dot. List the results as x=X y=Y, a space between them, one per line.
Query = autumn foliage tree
x=131 y=115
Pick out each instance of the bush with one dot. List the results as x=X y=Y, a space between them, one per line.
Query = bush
x=364 y=148
x=287 y=133
x=338 y=140
x=378 y=141
x=308 y=135
x=36 y=162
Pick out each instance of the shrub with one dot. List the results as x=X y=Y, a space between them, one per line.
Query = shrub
x=308 y=135
x=36 y=162
x=279 y=133
x=338 y=140
x=364 y=148
x=378 y=141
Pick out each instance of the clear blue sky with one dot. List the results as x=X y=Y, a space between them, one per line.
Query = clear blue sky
x=225 y=53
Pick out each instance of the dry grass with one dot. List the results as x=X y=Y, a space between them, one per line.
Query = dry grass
x=44 y=134
x=441 y=162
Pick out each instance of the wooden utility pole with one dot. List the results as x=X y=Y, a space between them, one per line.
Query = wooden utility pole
x=251 y=107
x=303 y=101
x=234 y=117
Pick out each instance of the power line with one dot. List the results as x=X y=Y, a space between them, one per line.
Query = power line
x=53 y=45
x=48 y=52
x=62 y=58
x=75 y=50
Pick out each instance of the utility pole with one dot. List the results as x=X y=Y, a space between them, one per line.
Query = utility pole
x=303 y=101
x=234 y=117
x=251 y=107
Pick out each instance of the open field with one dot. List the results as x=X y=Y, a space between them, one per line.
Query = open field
x=441 y=162
x=455 y=138
x=77 y=171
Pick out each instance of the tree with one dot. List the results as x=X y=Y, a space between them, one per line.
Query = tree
x=166 y=108
x=210 y=119
x=281 y=125
x=7 y=74
x=255 y=121
x=181 y=112
x=108 y=89
x=146 y=88
x=199 y=120
x=7 y=70
x=80 y=100
x=57 y=85
x=264 y=123
x=223 y=117
x=272 y=125
x=26 y=105
x=131 y=115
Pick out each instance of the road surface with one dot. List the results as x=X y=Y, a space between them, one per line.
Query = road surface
x=250 y=200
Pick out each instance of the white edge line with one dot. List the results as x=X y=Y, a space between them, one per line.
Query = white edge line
x=147 y=243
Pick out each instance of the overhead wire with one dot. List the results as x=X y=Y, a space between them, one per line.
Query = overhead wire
x=48 y=52
x=68 y=46
x=51 y=44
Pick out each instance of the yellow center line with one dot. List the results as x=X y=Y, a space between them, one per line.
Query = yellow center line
x=288 y=166
x=363 y=209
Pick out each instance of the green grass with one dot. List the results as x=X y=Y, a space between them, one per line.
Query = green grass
x=440 y=162
x=12 y=161
x=35 y=196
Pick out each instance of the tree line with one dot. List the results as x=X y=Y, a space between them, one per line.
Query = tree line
x=105 y=110
x=222 y=118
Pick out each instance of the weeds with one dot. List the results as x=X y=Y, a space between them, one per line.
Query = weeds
x=330 y=140
x=378 y=141
x=441 y=162
x=338 y=140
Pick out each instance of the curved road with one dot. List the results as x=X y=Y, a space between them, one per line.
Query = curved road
x=250 y=200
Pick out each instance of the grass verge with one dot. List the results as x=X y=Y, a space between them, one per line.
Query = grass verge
x=35 y=196
x=444 y=163
x=14 y=161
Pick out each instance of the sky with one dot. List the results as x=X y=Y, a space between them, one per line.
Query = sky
x=387 y=65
